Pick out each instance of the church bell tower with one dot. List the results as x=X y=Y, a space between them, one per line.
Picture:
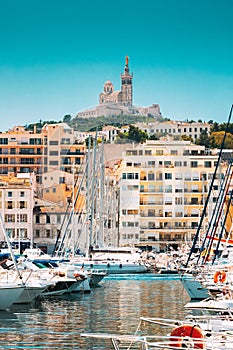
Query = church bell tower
x=126 y=85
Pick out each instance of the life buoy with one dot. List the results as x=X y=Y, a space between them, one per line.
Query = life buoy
x=220 y=276
x=186 y=335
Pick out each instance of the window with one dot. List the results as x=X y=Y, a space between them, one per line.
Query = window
x=167 y=163
x=178 y=200
x=53 y=153
x=168 y=189
x=207 y=164
x=37 y=233
x=10 y=205
x=53 y=143
x=194 y=164
x=151 y=176
x=22 y=204
x=132 y=187
x=21 y=193
x=168 y=201
x=151 y=212
x=61 y=180
x=37 y=219
x=9 y=218
x=10 y=194
x=58 y=218
x=168 y=176
x=22 y=218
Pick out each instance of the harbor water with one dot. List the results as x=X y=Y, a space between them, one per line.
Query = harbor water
x=114 y=307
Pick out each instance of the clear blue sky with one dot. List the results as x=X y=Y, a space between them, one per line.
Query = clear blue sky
x=56 y=55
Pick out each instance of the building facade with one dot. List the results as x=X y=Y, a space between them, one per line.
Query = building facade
x=16 y=205
x=163 y=187
x=175 y=128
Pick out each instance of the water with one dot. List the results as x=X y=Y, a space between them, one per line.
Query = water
x=115 y=307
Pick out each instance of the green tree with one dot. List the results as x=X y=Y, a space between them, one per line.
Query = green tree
x=186 y=138
x=137 y=135
x=203 y=139
x=67 y=119
x=216 y=139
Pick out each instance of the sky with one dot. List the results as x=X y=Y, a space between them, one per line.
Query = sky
x=56 y=55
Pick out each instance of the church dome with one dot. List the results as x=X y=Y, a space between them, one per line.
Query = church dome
x=108 y=87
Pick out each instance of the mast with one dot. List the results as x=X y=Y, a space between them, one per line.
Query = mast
x=102 y=194
x=87 y=198
x=209 y=193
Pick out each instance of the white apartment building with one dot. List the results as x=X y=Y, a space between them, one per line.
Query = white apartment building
x=175 y=128
x=16 y=206
x=163 y=186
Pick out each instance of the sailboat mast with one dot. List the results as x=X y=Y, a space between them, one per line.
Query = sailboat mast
x=209 y=192
x=87 y=198
x=102 y=211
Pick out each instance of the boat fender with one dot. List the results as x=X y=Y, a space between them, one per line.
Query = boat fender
x=184 y=335
x=226 y=292
x=220 y=276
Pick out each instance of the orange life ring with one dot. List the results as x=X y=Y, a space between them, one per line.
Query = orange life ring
x=220 y=276
x=185 y=333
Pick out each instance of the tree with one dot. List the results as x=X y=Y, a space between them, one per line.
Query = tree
x=67 y=119
x=203 y=139
x=216 y=139
x=137 y=135
x=134 y=134
x=186 y=138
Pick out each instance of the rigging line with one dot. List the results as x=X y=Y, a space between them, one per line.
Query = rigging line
x=217 y=209
x=70 y=215
x=64 y=218
x=223 y=226
x=210 y=189
x=218 y=216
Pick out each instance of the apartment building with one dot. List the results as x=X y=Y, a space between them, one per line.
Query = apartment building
x=21 y=151
x=16 y=205
x=54 y=148
x=61 y=151
x=175 y=128
x=163 y=187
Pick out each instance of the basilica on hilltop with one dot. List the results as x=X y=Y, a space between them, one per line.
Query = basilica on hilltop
x=115 y=103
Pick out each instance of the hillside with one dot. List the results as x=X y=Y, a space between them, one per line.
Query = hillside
x=90 y=124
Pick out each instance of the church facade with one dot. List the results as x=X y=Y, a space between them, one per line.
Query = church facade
x=124 y=97
x=114 y=103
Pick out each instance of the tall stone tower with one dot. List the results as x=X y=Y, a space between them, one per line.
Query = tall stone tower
x=126 y=85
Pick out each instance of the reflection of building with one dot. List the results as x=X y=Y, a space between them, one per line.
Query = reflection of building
x=163 y=187
x=114 y=103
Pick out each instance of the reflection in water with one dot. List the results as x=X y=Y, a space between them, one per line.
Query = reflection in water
x=114 y=308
